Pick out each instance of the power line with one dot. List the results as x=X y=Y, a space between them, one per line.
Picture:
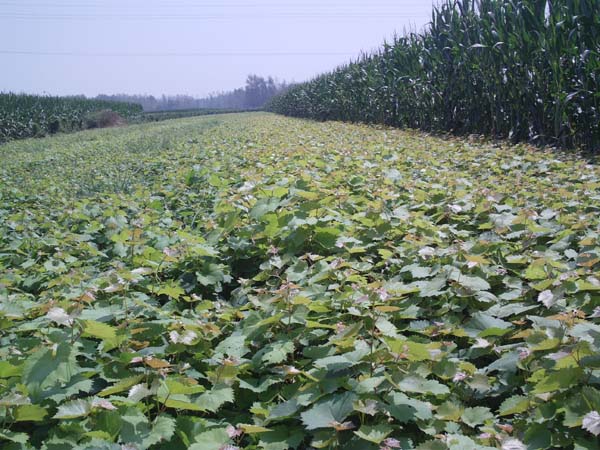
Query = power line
x=188 y=17
x=211 y=15
x=174 y=54
x=295 y=18
x=316 y=6
x=146 y=3
x=290 y=8
x=217 y=10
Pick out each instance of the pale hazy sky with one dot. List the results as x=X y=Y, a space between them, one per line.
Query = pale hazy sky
x=186 y=46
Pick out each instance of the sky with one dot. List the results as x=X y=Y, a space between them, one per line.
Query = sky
x=194 y=47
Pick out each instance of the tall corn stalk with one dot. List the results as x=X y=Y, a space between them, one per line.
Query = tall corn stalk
x=528 y=70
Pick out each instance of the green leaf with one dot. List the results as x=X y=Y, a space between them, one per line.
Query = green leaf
x=29 y=413
x=417 y=271
x=535 y=271
x=232 y=346
x=473 y=283
x=579 y=404
x=19 y=438
x=284 y=409
x=282 y=438
x=450 y=410
x=180 y=402
x=422 y=386
x=172 y=289
x=215 y=398
x=334 y=363
x=335 y=409
x=134 y=426
x=432 y=445
x=121 y=386
x=76 y=386
x=368 y=385
x=433 y=287
x=514 y=405
x=386 y=327
x=413 y=351
x=46 y=367
x=277 y=352
x=459 y=442
x=538 y=436
x=163 y=428
x=585 y=444
x=297 y=271
x=326 y=236
x=102 y=331
x=213 y=439
x=375 y=433
x=100 y=440
x=182 y=386
x=258 y=386
x=108 y=422
x=482 y=321
x=476 y=416
x=74 y=409
x=8 y=370
x=14 y=399
x=562 y=379
x=406 y=409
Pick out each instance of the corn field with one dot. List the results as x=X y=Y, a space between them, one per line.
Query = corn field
x=526 y=70
x=23 y=116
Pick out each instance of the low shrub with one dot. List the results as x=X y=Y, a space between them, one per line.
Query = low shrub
x=103 y=119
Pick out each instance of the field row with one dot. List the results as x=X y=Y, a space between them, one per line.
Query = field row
x=23 y=116
x=259 y=282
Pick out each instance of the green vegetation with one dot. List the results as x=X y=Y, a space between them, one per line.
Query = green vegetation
x=23 y=116
x=527 y=70
x=262 y=282
x=158 y=116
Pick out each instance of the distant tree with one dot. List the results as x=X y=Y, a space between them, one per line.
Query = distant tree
x=256 y=91
x=254 y=95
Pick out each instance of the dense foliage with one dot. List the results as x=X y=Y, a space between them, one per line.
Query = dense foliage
x=528 y=70
x=261 y=282
x=23 y=116
x=158 y=116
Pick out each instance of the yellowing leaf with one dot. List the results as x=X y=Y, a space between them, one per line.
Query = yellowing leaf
x=121 y=386
x=313 y=324
x=102 y=331
x=29 y=413
x=253 y=429
x=156 y=363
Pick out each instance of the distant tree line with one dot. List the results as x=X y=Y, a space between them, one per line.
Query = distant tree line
x=254 y=95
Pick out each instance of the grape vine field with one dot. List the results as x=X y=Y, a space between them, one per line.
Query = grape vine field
x=259 y=282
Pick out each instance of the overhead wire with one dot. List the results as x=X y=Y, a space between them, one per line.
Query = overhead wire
x=212 y=10
x=252 y=4
x=324 y=16
x=177 y=54
x=321 y=12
